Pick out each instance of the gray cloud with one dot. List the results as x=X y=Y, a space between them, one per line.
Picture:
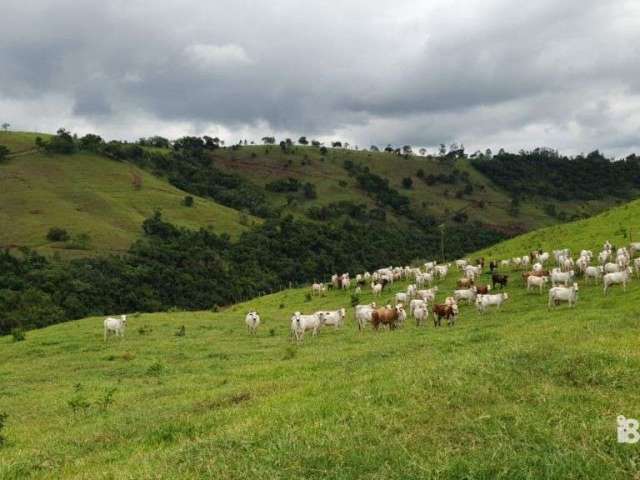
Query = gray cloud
x=492 y=73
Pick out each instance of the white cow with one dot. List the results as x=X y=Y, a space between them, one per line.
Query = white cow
x=376 y=288
x=561 y=277
x=411 y=291
x=415 y=303
x=421 y=314
x=636 y=264
x=114 y=326
x=460 y=264
x=485 y=301
x=318 y=289
x=333 y=317
x=617 y=278
x=441 y=271
x=537 y=267
x=253 y=321
x=534 y=281
x=428 y=295
x=363 y=314
x=468 y=294
x=301 y=323
x=611 y=267
x=564 y=294
x=402 y=297
x=594 y=272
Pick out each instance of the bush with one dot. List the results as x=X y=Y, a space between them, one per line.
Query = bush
x=57 y=234
x=4 y=152
x=309 y=191
x=18 y=335
x=62 y=143
x=81 y=241
x=407 y=183
x=3 y=421
x=188 y=201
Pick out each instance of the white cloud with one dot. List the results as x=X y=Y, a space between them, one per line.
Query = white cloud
x=217 y=56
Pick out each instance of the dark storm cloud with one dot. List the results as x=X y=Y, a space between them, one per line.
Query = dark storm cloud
x=494 y=73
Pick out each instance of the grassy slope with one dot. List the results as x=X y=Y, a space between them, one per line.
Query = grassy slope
x=87 y=193
x=619 y=225
x=519 y=393
x=326 y=176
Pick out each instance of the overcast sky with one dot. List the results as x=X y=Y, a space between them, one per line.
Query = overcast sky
x=487 y=73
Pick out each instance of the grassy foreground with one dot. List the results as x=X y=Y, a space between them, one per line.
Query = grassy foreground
x=519 y=393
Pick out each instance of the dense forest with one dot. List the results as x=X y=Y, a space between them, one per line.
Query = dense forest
x=546 y=173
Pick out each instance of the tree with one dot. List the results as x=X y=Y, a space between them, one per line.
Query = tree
x=442 y=150
x=315 y=143
x=91 y=142
x=5 y=126
x=268 y=140
x=423 y=151
x=323 y=150
x=188 y=201
x=406 y=149
x=337 y=144
x=62 y=142
x=303 y=141
x=407 y=182
x=57 y=234
x=374 y=148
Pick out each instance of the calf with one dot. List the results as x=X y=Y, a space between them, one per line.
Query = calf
x=421 y=314
x=501 y=280
x=376 y=288
x=593 y=272
x=465 y=283
x=114 y=326
x=535 y=281
x=561 y=277
x=252 y=320
x=483 y=289
x=448 y=312
x=415 y=303
x=428 y=295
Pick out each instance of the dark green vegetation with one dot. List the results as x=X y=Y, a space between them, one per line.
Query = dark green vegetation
x=518 y=394
x=175 y=267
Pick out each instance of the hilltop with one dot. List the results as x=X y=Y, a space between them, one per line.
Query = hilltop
x=523 y=392
x=86 y=193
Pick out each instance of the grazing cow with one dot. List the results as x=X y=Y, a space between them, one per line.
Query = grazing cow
x=535 y=281
x=561 y=277
x=526 y=275
x=617 y=278
x=387 y=316
x=448 y=312
x=483 y=289
x=634 y=248
x=460 y=264
x=505 y=263
x=468 y=294
x=563 y=294
x=612 y=267
x=335 y=281
x=333 y=317
x=485 y=301
x=441 y=271
x=428 y=295
x=301 y=323
x=604 y=256
x=363 y=314
x=318 y=289
x=411 y=291
x=593 y=272
x=499 y=279
x=253 y=322
x=537 y=267
x=465 y=283
x=402 y=297
x=346 y=283
x=114 y=326
x=415 y=303
x=421 y=313
x=376 y=288
x=636 y=264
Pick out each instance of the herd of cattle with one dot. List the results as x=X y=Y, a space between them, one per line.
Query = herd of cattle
x=611 y=267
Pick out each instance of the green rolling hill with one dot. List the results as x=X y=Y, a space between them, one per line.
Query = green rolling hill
x=87 y=193
x=521 y=393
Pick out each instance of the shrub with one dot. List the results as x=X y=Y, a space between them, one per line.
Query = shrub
x=188 y=201
x=407 y=183
x=3 y=421
x=18 y=335
x=57 y=234
x=309 y=190
x=4 y=152
x=81 y=241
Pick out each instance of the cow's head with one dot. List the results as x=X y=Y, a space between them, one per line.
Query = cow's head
x=123 y=319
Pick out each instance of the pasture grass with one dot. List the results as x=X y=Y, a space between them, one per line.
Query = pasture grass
x=520 y=393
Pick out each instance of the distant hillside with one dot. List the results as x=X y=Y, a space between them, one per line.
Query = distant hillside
x=88 y=193
x=620 y=226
